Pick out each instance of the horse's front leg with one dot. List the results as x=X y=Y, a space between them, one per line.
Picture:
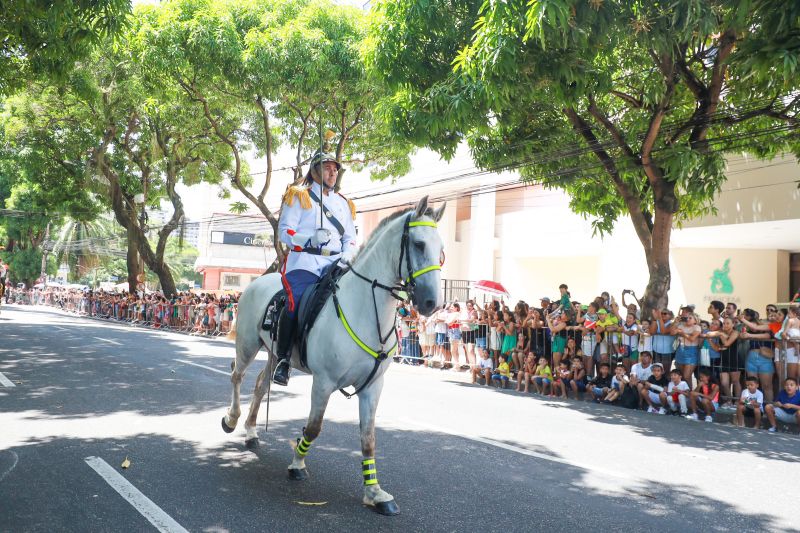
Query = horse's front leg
x=374 y=496
x=320 y=394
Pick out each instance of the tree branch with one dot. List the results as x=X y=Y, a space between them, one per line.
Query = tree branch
x=632 y=202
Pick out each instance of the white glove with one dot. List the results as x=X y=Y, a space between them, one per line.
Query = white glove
x=348 y=256
x=321 y=237
x=301 y=239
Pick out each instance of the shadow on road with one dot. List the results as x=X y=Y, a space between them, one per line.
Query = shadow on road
x=713 y=437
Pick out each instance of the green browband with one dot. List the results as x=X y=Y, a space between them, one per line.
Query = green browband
x=369 y=472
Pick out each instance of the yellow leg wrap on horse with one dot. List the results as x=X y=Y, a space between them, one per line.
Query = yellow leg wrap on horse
x=303 y=446
x=369 y=472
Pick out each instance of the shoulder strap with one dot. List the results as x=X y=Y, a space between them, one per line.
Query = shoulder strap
x=325 y=211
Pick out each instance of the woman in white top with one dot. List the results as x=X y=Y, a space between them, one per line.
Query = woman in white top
x=630 y=341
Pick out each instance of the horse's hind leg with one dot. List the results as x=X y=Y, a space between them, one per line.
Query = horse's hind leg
x=374 y=496
x=263 y=384
x=246 y=351
x=320 y=394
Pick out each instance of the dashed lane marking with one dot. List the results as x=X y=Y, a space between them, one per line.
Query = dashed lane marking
x=108 y=340
x=152 y=512
x=5 y=381
x=218 y=371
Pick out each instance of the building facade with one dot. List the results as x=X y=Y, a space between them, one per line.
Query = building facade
x=234 y=250
x=528 y=238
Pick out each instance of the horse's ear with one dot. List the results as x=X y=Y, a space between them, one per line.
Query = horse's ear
x=438 y=213
x=422 y=206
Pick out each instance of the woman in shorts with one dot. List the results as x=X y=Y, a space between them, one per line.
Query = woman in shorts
x=454 y=334
x=468 y=327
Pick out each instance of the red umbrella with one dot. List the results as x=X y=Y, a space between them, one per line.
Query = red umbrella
x=491 y=287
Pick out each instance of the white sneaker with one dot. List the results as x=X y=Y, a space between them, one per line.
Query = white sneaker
x=709 y=419
x=662 y=411
x=652 y=410
x=692 y=416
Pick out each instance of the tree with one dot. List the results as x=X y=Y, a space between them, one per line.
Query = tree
x=270 y=74
x=148 y=142
x=629 y=106
x=42 y=179
x=44 y=38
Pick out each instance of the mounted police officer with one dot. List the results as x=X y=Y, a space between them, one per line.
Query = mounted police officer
x=316 y=240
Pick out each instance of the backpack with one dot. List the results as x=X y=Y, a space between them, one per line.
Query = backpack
x=629 y=399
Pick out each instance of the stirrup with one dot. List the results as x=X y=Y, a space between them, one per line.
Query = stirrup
x=281 y=378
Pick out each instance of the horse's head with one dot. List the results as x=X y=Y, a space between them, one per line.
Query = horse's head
x=423 y=256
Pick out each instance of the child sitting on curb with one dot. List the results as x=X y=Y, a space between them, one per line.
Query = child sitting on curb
x=501 y=375
x=677 y=391
x=483 y=369
x=601 y=384
x=707 y=394
x=542 y=377
x=525 y=374
x=618 y=384
x=563 y=376
x=752 y=401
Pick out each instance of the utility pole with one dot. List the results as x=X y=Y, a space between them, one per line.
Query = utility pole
x=44 y=253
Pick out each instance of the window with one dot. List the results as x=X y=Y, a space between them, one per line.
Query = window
x=230 y=280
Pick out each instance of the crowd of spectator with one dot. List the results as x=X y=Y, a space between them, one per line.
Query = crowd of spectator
x=682 y=364
x=607 y=352
x=198 y=314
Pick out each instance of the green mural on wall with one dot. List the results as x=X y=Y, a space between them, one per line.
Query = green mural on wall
x=721 y=282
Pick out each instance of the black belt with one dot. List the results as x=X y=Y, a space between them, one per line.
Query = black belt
x=323 y=252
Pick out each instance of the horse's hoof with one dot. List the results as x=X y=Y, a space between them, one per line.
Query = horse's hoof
x=225 y=427
x=298 y=474
x=251 y=444
x=389 y=508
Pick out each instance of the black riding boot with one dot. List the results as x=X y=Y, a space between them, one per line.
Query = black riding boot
x=286 y=326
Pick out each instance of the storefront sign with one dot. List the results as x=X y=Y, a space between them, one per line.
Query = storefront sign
x=239 y=239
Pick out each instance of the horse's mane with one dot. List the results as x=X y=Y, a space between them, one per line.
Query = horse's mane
x=374 y=237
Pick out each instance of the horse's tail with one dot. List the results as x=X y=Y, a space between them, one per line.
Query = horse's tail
x=232 y=333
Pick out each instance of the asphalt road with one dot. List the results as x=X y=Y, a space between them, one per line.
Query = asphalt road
x=456 y=457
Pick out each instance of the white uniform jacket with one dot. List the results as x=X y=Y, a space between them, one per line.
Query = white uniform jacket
x=295 y=218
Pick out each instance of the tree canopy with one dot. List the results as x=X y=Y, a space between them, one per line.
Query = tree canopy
x=41 y=38
x=274 y=74
x=629 y=106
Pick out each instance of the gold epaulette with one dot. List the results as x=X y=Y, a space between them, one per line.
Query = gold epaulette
x=297 y=192
x=352 y=206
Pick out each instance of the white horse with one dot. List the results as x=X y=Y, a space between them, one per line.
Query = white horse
x=345 y=348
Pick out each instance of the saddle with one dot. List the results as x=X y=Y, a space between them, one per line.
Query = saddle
x=308 y=310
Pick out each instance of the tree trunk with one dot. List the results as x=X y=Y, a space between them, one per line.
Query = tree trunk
x=134 y=267
x=656 y=294
x=165 y=278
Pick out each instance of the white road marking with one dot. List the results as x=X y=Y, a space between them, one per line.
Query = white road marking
x=5 y=381
x=108 y=340
x=218 y=371
x=14 y=461
x=517 y=449
x=154 y=514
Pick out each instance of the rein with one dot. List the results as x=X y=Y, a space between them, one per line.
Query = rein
x=407 y=285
